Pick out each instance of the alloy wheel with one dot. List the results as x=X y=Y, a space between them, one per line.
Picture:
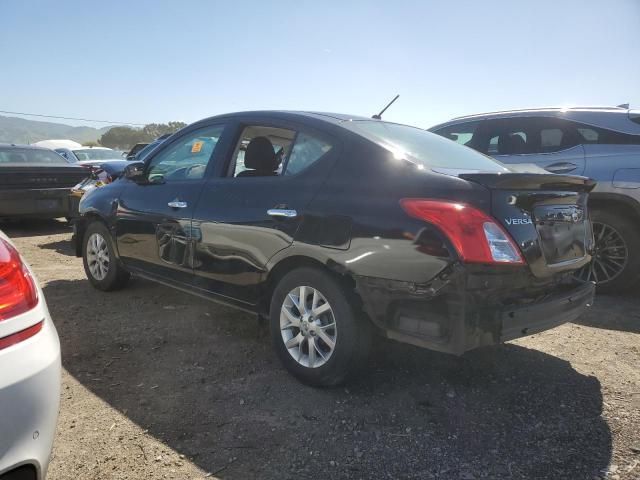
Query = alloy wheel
x=98 y=256
x=610 y=255
x=308 y=326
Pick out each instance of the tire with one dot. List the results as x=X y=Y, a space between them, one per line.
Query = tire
x=350 y=333
x=616 y=262
x=108 y=275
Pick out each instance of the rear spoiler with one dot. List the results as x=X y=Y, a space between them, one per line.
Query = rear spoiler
x=531 y=181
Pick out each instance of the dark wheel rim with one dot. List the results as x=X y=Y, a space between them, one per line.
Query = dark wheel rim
x=610 y=255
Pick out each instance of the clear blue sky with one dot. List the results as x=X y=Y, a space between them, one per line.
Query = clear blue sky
x=156 y=61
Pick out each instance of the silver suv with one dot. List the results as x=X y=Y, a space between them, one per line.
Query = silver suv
x=598 y=142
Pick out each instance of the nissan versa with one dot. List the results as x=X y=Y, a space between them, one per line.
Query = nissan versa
x=335 y=227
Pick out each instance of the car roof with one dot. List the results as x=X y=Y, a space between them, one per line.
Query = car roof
x=556 y=110
x=614 y=118
x=10 y=146
x=83 y=147
x=293 y=115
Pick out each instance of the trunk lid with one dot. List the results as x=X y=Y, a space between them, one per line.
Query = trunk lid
x=546 y=214
x=41 y=177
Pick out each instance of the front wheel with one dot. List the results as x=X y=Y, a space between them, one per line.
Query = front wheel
x=98 y=257
x=318 y=334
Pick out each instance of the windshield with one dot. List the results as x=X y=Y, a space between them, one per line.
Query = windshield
x=97 y=154
x=30 y=156
x=146 y=150
x=428 y=149
x=137 y=147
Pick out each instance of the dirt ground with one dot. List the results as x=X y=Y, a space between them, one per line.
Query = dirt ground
x=158 y=384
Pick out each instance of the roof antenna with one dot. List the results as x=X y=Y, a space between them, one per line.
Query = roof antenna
x=624 y=105
x=379 y=116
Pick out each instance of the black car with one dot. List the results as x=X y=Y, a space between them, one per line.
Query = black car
x=131 y=155
x=335 y=227
x=99 y=173
x=35 y=182
x=142 y=154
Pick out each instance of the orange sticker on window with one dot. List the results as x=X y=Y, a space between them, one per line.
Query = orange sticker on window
x=196 y=147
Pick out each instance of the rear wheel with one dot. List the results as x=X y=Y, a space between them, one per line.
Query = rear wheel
x=316 y=331
x=616 y=260
x=98 y=257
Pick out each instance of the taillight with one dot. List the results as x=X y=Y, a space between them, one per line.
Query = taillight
x=475 y=235
x=20 y=336
x=18 y=292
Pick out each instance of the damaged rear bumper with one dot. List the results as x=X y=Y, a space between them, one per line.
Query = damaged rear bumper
x=543 y=315
x=467 y=309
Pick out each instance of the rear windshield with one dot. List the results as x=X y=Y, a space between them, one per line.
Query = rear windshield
x=428 y=149
x=96 y=154
x=30 y=156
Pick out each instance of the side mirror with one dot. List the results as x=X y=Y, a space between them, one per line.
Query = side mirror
x=134 y=171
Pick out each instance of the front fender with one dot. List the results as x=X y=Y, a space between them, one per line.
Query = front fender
x=98 y=204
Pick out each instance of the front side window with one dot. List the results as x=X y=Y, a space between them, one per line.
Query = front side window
x=508 y=142
x=186 y=158
x=529 y=135
x=551 y=139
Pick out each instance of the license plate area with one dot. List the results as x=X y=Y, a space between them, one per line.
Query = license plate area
x=563 y=231
x=49 y=204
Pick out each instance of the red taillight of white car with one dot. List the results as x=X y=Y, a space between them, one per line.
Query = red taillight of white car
x=476 y=236
x=18 y=293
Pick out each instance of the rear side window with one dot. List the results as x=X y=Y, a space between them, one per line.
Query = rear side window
x=602 y=136
x=428 y=149
x=28 y=156
x=274 y=152
x=306 y=151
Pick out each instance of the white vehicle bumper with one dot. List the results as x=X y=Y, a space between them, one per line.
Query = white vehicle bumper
x=29 y=396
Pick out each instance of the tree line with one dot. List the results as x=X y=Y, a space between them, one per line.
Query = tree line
x=124 y=138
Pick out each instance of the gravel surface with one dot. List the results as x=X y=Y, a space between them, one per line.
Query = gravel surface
x=159 y=384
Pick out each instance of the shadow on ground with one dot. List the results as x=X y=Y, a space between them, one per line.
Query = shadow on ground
x=201 y=379
x=34 y=227
x=63 y=247
x=613 y=312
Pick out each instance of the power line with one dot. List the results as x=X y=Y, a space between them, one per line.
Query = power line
x=72 y=118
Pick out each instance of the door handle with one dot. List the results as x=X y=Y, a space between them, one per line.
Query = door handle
x=561 y=167
x=177 y=204
x=282 y=212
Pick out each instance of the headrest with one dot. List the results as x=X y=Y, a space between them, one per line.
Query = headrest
x=260 y=155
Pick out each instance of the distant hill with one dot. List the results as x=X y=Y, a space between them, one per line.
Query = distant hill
x=20 y=130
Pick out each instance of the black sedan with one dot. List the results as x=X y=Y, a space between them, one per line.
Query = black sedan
x=35 y=182
x=334 y=227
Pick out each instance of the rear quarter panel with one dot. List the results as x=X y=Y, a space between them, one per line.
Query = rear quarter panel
x=367 y=232
x=616 y=168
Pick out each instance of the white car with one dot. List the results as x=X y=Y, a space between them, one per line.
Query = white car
x=29 y=371
x=86 y=155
